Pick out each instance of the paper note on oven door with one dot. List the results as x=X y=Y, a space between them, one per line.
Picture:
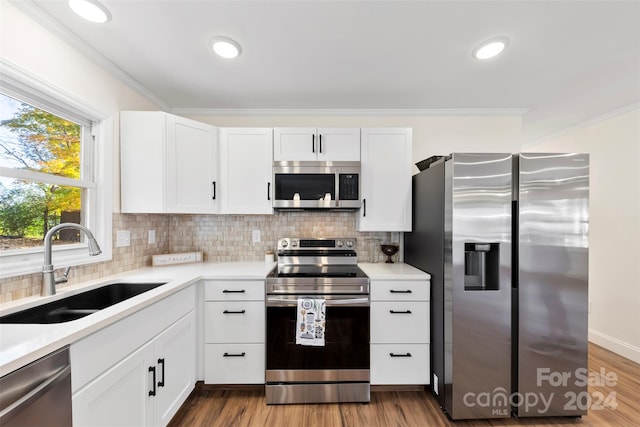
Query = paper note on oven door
x=311 y=322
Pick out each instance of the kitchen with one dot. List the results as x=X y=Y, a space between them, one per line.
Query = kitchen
x=436 y=130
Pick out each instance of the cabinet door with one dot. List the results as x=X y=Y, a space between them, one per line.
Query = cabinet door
x=245 y=178
x=339 y=144
x=120 y=396
x=142 y=161
x=192 y=166
x=295 y=144
x=175 y=366
x=386 y=180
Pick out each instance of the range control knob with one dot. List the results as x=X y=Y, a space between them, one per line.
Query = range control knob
x=294 y=243
x=349 y=243
x=284 y=243
x=339 y=243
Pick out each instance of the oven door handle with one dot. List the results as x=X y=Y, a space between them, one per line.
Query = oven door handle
x=283 y=301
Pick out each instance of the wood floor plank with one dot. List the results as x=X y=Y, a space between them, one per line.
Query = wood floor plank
x=247 y=408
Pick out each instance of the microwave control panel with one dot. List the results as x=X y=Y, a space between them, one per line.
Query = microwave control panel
x=348 y=186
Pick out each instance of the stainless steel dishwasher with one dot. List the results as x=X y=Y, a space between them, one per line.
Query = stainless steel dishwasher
x=38 y=394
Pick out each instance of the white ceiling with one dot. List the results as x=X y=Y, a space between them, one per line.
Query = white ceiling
x=567 y=62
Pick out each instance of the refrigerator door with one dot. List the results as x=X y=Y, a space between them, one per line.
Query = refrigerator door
x=553 y=210
x=477 y=281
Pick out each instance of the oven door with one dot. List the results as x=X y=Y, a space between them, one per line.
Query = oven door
x=345 y=355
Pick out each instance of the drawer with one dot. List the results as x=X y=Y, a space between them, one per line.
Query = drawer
x=234 y=322
x=234 y=290
x=400 y=322
x=234 y=363
x=400 y=364
x=400 y=290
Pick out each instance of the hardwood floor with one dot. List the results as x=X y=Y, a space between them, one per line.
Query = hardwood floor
x=241 y=407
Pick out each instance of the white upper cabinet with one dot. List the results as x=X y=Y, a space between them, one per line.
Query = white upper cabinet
x=168 y=164
x=309 y=144
x=386 y=170
x=245 y=170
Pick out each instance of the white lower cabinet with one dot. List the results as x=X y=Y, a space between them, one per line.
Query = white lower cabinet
x=234 y=364
x=234 y=332
x=400 y=332
x=148 y=385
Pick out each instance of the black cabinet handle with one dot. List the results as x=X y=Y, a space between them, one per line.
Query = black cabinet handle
x=152 y=369
x=214 y=190
x=268 y=191
x=320 y=138
x=400 y=355
x=234 y=312
x=364 y=207
x=393 y=291
x=161 y=382
x=400 y=312
x=234 y=354
x=313 y=143
x=233 y=291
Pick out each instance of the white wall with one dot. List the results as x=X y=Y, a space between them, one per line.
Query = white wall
x=432 y=134
x=25 y=44
x=614 y=231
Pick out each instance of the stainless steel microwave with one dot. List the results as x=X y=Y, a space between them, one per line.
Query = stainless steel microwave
x=316 y=185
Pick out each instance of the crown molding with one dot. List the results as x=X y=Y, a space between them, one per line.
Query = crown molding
x=398 y=112
x=592 y=121
x=35 y=12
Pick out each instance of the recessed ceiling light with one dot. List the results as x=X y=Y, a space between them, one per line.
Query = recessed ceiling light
x=91 y=10
x=226 y=47
x=490 y=48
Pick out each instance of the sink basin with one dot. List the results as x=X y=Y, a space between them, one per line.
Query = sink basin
x=79 y=305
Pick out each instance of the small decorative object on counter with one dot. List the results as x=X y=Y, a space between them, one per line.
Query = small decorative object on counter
x=269 y=257
x=389 y=250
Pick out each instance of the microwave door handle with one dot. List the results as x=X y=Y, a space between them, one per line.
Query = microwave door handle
x=313 y=143
x=320 y=142
x=268 y=191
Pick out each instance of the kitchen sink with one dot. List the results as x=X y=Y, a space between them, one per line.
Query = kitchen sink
x=79 y=305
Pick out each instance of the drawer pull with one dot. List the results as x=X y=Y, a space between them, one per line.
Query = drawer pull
x=400 y=312
x=400 y=355
x=234 y=354
x=234 y=312
x=232 y=291
x=394 y=291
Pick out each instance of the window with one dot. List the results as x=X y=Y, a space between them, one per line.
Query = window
x=50 y=158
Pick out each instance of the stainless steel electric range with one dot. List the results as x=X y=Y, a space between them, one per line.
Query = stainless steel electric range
x=337 y=370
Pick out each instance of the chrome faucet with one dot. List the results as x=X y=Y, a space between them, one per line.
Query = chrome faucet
x=49 y=281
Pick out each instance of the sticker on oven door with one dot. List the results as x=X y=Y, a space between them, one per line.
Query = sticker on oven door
x=311 y=322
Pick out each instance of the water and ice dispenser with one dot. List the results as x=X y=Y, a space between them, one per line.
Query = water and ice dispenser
x=481 y=266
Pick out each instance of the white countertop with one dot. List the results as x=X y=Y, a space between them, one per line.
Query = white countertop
x=395 y=271
x=22 y=344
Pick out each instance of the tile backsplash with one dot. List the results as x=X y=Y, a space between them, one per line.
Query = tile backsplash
x=219 y=237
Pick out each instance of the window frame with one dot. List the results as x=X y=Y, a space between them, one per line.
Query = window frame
x=96 y=174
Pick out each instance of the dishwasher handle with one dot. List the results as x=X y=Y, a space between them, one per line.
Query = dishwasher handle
x=34 y=394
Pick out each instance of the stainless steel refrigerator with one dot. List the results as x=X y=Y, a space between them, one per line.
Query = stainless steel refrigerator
x=505 y=239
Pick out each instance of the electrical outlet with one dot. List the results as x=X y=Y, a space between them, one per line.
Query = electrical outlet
x=152 y=237
x=123 y=238
x=255 y=236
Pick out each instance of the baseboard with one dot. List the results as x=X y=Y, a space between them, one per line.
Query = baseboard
x=615 y=345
